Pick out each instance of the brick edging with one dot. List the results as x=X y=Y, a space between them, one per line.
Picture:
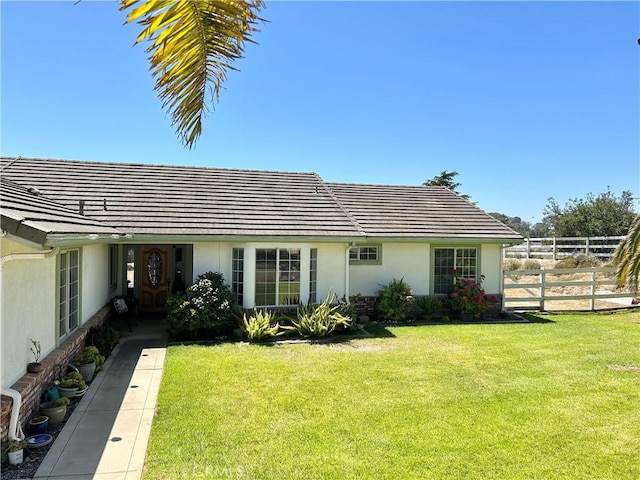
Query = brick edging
x=32 y=385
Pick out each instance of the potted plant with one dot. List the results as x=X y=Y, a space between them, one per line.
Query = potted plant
x=55 y=410
x=16 y=451
x=72 y=385
x=87 y=362
x=39 y=424
x=35 y=366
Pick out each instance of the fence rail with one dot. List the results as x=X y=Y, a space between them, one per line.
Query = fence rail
x=538 y=286
x=559 y=247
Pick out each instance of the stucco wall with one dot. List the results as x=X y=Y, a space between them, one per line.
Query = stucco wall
x=491 y=267
x=27 y=299
x=94 y=280
x=399 y=260
x=212 y=257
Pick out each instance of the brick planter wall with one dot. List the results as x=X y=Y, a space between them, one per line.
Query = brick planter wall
x=368 y=305
x=32 y=385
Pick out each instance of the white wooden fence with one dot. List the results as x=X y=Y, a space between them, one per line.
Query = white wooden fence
x=536 y=287
x=559 y=247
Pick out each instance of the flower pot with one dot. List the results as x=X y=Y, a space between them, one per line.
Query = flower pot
x=87 y=370
x=55 y=414
x=68 y=392
x=34 y=367
x=15 y=458
x=39 y=424
x=466 y=316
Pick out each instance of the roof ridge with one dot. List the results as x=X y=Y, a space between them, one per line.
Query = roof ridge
x=344 y=209
x=12 y=160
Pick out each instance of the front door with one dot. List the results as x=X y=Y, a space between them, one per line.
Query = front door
x=154 y=284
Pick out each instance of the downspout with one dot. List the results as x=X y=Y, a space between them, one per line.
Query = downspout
x=28 y=256
x=15 y=430
x=346 y=272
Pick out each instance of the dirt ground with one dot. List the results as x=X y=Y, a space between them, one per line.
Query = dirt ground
x=565 y=305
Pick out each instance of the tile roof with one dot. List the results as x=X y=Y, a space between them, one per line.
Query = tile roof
x=165 y=200
x=388 y=211
x=26 y=213
x=177 y=200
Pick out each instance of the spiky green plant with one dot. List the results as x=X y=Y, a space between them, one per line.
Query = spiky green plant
x=319 y=320
x=258 y=327
x=627 y=256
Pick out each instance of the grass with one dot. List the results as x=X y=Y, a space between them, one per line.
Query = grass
x=552 y=400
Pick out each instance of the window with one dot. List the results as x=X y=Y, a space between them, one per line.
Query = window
x=277 y=276
x=313 y=275
x=68 y=291
x=365 y=254
x=464 y=260
x=113 y=267
x=237 y=274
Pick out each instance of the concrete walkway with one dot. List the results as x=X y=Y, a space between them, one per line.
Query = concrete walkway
x=107 y=434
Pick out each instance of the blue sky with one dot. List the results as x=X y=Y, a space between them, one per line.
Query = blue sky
x=526 y=100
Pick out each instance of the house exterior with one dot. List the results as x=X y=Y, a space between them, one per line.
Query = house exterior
x=75 y=234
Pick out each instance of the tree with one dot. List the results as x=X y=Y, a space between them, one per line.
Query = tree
x=192 y=46
x=604 y=215
x=627 y=256
x=446 y=179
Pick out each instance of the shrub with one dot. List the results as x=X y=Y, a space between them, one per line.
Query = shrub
x=395 y=300
x=429 y=306
x=258 y=327
x=579 y=261
x=531 y=264
x=73 y=379
x=511 y=264
x=103 y=338
x=319 y=320
x=468 y=295
x=59 y=402
x=88 y=355
x=207 y=307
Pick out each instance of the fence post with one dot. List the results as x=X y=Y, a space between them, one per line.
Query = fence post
x=541 y=294
x=587 y=247
x=555 y=250
x=592 y=300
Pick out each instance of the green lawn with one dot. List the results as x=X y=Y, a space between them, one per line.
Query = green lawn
x=555 y=400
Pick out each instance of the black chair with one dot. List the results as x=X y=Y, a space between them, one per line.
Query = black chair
x=123 y=311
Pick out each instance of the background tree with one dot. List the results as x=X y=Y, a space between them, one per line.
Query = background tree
x=627 y=256
x=524 y=228
x=604 y=215
x=446 y=179
x=192 y=46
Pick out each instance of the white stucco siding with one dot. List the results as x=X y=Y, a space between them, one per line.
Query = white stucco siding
x=94 y=279
x=27 y=300
x=399 y=260
x=332 y=260
x=212 y=257
x=491 y=267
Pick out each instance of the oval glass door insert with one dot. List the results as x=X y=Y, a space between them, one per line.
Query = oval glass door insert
x=154 y=268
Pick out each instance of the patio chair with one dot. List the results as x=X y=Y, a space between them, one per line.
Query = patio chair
x=123 y=311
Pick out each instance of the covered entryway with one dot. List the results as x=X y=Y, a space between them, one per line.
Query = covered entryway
x=155 y=271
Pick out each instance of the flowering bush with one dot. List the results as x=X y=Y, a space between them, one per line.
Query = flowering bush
x=468 y=295
x=207 y=307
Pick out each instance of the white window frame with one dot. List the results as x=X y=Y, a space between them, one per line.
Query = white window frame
x=461 y=263
x=69 y=291
x=278 y=274
x=361 y=254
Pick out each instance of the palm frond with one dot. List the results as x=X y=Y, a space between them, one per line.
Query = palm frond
x=192 y=46
x=627 y=256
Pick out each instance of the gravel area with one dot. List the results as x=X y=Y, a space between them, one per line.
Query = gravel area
x=33 y=456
